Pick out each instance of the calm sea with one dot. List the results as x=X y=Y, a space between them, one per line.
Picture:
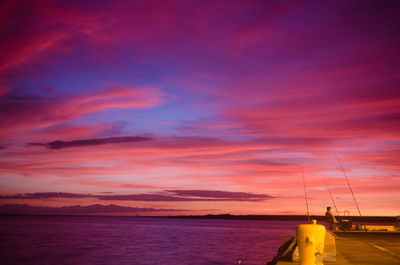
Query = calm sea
x=135 y=240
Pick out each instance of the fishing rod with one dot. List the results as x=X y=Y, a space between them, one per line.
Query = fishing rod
x=348 y=183
x=305 y=194
x=333 y=201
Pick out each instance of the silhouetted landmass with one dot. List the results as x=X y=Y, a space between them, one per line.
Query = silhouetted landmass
x=389 y=219
x=97 y=209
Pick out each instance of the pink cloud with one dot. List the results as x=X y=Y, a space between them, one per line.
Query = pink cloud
x=42 y=29
x=34 y=113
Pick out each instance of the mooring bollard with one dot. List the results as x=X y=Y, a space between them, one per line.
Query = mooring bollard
x=310 y=240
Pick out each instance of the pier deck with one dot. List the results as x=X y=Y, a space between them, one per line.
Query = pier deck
x=365 y=249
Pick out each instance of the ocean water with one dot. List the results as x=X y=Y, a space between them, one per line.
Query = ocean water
x=136 y=240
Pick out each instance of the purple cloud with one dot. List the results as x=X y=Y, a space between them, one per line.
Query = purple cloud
x=145 y=197
x=177 y=195
x=89 y=142
x=45 y=195
x=225 y=195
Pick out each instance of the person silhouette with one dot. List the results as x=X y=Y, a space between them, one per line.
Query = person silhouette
x=330 y=218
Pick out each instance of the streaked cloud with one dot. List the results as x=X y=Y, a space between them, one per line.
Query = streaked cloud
x=29 y=113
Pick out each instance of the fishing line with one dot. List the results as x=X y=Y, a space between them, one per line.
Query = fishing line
x=305 y=194
x=333 y=201
x=348 y=183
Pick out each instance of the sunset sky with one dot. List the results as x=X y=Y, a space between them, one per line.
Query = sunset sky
x=200 y=107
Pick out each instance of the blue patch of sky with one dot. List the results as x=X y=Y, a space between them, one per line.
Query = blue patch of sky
x=80 y=71
x=75 y=73
x=161 y=119
x=387 y=143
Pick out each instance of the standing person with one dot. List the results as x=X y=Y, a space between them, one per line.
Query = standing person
x=330 y=218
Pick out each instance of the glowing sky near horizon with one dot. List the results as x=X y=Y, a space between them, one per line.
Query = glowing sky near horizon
x=201 y=106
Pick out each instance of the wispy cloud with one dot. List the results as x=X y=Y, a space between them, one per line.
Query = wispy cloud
x=32 y=113
x=51 y=24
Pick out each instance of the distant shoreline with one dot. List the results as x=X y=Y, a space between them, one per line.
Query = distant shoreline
x=380 y=219
x=289 y=217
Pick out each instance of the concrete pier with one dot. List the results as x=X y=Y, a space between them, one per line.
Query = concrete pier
x=352 y=248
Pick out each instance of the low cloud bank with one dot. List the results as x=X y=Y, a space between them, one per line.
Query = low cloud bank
x=168 y=195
